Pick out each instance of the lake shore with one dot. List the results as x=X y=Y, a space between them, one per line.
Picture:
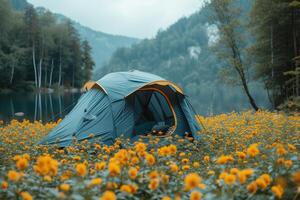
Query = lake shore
x=42 y=90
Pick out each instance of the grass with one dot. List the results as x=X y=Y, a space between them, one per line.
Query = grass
x=240 y=156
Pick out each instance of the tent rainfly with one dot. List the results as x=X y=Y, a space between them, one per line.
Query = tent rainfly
x=131 y=104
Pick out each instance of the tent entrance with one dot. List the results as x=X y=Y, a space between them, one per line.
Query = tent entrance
x=153 y=112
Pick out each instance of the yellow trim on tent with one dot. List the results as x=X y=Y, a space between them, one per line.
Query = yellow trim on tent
x=92 y=84
x=162 y=83
x=166 y=83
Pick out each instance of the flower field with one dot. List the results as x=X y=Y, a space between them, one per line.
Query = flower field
x=240 y=156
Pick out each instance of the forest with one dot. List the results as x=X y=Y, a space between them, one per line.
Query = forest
x=37 y=51
x=238 y=42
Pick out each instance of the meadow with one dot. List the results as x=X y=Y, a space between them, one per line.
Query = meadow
x=240 y=156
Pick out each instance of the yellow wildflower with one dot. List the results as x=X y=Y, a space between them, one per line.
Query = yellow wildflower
x=252 y=151
x=108 y=195
x=13 y=175
x=65 y=187
x=150 y=159
x=154 y=183
x=81 y=169
x=95 y=181
x=191 y=181
x=4 y=185
x=277 y=191
x=26 y=196
x=114 y=169
x=132 y=172
x=195 y=195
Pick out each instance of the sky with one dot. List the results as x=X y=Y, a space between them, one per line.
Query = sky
x=135 y=18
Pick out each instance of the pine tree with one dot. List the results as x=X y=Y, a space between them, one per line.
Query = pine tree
x=87 y=61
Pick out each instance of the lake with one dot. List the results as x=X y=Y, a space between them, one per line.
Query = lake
x=50 y=107
x=44 y=107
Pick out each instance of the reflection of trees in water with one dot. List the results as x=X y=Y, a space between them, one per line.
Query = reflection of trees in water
x=207 y=100
x=38 y=106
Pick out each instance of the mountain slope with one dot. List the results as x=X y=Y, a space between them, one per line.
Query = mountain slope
x=182 y=53
x=103 y=45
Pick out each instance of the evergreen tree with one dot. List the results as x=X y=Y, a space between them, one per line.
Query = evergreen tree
x=275 y=25
x=35 y=48
x=87 y=61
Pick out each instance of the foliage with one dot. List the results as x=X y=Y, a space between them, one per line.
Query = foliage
x=290 y=105
x=231 y=43
x=35 y=47
x=240 y=156
x=181 y=54
x=275 y=25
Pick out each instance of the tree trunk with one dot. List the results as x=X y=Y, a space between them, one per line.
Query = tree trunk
x=46 y=76
x=12 y=72
x=40 y=73
x=251 y=100
x=59 y=74
x=272 y=51
x=51 y=73
x=34 y=66
x=295 y=51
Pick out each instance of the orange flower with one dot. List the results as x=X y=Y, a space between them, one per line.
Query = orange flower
x=95 y=181
x=114 y=169
x=108 y=195
x=191 y=181
x=224 y=159
x=13 y=175
x=185 y=161
x=281 y=151
x=45 y=165
x=266 y=178
x=288 y=163
x=4 y=185
x=206 y=159
x=229 y=179
x=241 y=155
x=196 y=164
x=153 y=175
x=154 y=183
x=26 y=196
x=150 y=159
x=261 y=183
x=296 y=178
x=22 y=163
x=100 y=166
x=140 y=147
x=277 y=191
x=174 y=168
x=126 y=188
x=173 y=149
x=81 y=169
x=132 y=172
x=196 y=195
x=252 y=187
x=47 y=178
x=234 y=171
x=252 y=151
x=65 y=187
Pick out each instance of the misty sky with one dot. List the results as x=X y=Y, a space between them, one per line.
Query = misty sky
x=136 y=18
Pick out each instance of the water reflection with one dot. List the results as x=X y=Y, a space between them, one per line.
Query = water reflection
x=38 y=106
x=208 y=100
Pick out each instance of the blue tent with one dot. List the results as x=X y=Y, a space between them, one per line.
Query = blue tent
x=130 y=103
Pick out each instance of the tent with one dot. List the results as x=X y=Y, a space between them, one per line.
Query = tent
x=131 y=104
